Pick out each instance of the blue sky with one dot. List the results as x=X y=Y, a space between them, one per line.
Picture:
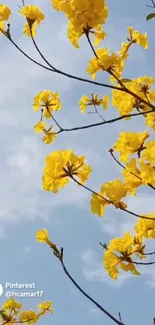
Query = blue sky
x=25 y=207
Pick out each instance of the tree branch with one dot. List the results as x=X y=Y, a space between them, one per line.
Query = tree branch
x=108 y=201
x=101 y=123
x=119 y=322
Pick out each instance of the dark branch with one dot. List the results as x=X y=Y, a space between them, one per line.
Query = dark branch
x=119 y=322
x=102 y=123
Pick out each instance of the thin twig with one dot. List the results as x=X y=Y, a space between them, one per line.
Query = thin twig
x=102 y=123
x=124 y=89
x=153 y=3
x=82 y=79
x=59 y=126
x=120 y=317
x=42 y=56
x=89 y=297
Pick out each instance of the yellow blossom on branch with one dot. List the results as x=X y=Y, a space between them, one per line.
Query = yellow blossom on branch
x=132 y=176
x=48 y=102
x=60 y=166
x=137 y=173
x=39 y=127
x=106 y=61
x=148 y=153
x=85 y=101
x=150 y=120
x=112 y=193
x=34 y=17
x=145 y=228
x=147 y=173
x=43 y=237
x=45 y=307
x=5 y=13
x=29 y=316
x=12 y=312
x=49 y=137
x=129 y=143
x=119 y=255
x=98 y=204
x=125 y=103
x=137 y=37
x=12 y=304
x=85 y=17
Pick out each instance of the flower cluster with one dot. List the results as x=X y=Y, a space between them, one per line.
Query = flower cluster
x=11 y=312
x=60 y=166
x=34 y=17
x=5 y=13
x=110 y=193
x=119 y=254
x=126 y=103
x=85 y=17
x=47 y=102
x=95 y=101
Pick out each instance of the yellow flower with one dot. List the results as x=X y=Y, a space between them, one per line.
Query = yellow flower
x=48 y=102
x=49 y=138
x=62 y=165
x=29 y=316
x=99 y=35
x=147 y=173
x=111 y=263
x=129 y=143
x=105 y=61
x=1 y=26
x=5 y=13
x=39 y=127
x=124 y=50
x=134 y=37
x=145 y=228
x=12 y=304
x=85 y=101
x=44 y=307
x=125 y=103
x=132 y=176
x=86 y=16
x=119 y=255
x=33 y=16
x=137 y=37
x=98 y=204
x=148 y=153
x=138 y=248
x=105 y=101
x=150 y=120
x=42 y=236
x=114 y=191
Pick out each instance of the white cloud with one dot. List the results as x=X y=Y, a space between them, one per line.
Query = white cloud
x=24 y=254
x=22 y=173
